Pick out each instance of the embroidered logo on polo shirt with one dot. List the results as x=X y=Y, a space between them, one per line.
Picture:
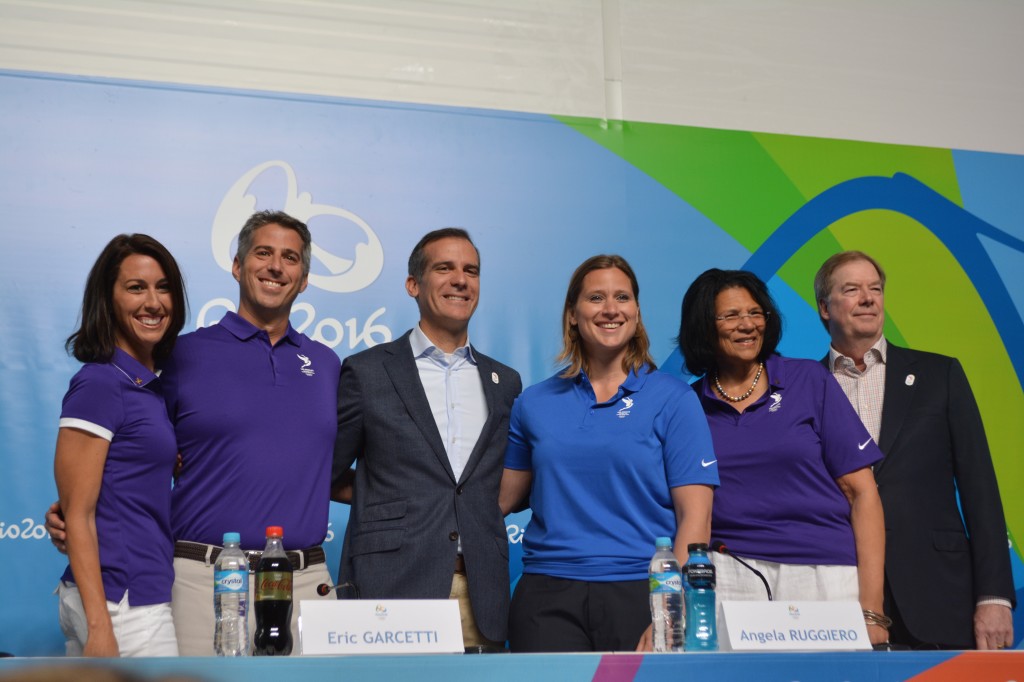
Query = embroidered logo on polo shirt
x=624 y=410
x=776 y=401
x=306 y=362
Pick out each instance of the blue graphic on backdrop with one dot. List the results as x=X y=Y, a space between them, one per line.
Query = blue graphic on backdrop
x=957 y=229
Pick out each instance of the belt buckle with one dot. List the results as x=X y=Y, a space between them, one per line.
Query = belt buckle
x=253 y=556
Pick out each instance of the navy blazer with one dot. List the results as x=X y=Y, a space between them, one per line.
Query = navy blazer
x=936 y=567
x=408 y=510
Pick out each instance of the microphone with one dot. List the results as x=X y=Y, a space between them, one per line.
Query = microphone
x=344 y=590
x=719 y=546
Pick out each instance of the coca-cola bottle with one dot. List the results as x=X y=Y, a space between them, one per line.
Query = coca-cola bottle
x=273 y=596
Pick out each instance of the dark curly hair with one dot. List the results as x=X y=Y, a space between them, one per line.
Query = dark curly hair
x=698 y=332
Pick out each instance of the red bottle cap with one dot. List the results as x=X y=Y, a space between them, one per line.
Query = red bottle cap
x=275 y=532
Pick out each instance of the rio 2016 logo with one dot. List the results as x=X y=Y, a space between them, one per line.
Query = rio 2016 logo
x=26 y=529
x=343 y=275
x=515 y=533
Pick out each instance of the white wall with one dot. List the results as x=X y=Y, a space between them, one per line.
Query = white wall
x=940 y=73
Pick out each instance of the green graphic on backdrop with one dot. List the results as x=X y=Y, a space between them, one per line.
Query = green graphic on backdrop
x=751 y=183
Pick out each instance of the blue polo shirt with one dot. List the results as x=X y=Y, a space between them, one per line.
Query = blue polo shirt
x=255 y=424
x=779 y=461
x=602 y=472
x=120 y=401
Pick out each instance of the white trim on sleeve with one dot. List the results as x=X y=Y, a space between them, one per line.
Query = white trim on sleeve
x=88 y=427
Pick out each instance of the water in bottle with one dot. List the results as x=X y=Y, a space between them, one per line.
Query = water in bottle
x=666 y=598
x=699 y=572
x=273 y=595
x=231 y=599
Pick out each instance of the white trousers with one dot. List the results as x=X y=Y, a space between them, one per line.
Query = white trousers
x=139 y=630
x=789 y=582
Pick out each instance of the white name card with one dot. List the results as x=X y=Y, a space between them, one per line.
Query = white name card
x=387 y=626
x=794 y=626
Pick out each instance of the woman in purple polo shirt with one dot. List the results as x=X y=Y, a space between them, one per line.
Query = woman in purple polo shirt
x=613 y=455
x=116 y=454
x=798 y=499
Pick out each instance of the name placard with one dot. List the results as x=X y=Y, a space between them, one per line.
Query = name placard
x=794 y=626
x=387 y=626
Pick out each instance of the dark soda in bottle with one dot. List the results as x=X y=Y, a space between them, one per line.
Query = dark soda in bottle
x=273 y=597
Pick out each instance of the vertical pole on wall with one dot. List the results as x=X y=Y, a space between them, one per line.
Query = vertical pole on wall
x=611 y=23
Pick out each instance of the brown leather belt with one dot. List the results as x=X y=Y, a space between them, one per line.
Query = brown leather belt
x=460 y=564
x=199 y=551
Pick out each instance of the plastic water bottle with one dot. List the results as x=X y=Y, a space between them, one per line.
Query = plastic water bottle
x=666 y=598
x=231 y=599
x=701 y=631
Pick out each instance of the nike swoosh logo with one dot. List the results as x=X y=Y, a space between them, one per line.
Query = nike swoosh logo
x=863 y=445
x=707 y=464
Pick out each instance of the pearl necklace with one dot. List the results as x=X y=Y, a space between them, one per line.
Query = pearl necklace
x=750 y=391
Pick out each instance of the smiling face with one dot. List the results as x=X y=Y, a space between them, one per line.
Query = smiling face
x=739 y=340
x=606 y=314
x=271 y=276
x=854 y=310
x=143 y=307
x=448 y=291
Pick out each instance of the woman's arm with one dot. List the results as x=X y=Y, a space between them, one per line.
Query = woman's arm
x=693 y=517
x=515 y=486
x=78 y=470
x=869 y=535
x=692 y=504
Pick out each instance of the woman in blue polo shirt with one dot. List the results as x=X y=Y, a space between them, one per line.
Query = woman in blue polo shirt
x=116 y=454
x=798 y=499
x=612 y=454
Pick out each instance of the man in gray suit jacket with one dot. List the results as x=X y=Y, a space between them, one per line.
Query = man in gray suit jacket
x=947 y=585
x=426 y=417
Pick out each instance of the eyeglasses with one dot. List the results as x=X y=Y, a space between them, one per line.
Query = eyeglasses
x=733 y=319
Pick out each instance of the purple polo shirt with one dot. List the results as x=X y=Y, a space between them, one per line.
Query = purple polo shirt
x=120 y=401
x=779 y=461
x=603 y=472
x=255 y=426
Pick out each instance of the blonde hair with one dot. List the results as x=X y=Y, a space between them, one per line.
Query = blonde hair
x=637 y=355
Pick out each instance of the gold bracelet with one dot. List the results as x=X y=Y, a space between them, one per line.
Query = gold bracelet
x=879 y=619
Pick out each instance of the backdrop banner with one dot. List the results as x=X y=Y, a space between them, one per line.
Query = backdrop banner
x=85 y=159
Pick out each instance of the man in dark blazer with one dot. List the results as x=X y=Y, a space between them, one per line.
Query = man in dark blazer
x=947 y=584
x=426 y=418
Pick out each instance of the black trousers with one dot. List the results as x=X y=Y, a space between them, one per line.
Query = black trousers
x=556 y=615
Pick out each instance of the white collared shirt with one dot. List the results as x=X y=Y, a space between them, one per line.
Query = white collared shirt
x=865 y=389
x=455 y=393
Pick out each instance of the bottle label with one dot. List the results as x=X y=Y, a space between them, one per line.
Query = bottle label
x=274 y=585
x=665 y=582
x=230 y=581
x=700 y=575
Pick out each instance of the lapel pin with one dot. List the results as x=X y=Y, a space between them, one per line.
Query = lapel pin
x=910 y=380
x=494 y=377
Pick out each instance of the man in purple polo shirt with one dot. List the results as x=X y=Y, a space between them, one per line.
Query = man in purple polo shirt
x=253 y=403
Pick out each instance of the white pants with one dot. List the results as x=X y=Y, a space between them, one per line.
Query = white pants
x=139 y=630
x=789 y=582
x=192 y=603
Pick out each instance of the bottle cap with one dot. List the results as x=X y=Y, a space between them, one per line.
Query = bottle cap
x=275 y=532
x=232 y=537
x=697 y=546
x=663 y=542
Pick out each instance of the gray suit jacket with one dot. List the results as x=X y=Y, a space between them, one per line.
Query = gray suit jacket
x=408 y=511
x=934 y=443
